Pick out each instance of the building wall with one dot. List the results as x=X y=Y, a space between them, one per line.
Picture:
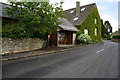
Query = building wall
x=10 y=45
x=67 y=39
x=74 y=38
x=54 y=39
x=89 y=24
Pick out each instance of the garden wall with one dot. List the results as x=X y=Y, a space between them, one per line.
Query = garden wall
x=116 y=40
x=10 y=45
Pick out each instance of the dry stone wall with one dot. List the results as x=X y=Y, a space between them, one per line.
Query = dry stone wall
x=10 y=45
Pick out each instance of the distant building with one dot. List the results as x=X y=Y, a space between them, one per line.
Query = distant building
x=116 y=32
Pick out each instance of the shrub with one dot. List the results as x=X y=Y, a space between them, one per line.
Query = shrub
x=109 y=37
x=15 y=31
x=84 y=38
x=116 y=37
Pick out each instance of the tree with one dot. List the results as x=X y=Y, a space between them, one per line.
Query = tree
x=41 y=17
x=108 y=27
x=103 y=29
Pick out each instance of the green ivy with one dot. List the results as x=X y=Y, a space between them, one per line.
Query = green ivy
x=90 y=25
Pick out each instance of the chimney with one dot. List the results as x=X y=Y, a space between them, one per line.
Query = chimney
x=77 y=7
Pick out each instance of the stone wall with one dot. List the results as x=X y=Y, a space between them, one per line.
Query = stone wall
x=10 y=45
x=116 y=40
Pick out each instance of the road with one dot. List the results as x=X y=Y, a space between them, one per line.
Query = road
x=95 y=61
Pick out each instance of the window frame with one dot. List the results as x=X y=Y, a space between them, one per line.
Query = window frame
x=95 y=31
x=86 y=32
x=95 y=21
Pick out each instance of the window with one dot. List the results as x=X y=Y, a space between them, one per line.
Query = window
x=72 y=11
x=83 y=9
x=61 y=36
x=95 y=21
x=75 y=19
x=86 y=31
x=95 y=32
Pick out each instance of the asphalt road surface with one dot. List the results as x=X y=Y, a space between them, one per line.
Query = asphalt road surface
x=95 y=61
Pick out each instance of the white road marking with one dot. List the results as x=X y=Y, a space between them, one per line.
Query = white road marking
x=100 y=50
x=103 y=48
x=108 y=46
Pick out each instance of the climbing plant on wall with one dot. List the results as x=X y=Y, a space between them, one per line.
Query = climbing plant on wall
x=90 y=24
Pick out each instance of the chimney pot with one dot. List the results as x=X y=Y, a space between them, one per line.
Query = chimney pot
x=77 y=7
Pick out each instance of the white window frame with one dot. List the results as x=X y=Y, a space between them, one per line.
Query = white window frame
x=86 y=31
x=95 y=20
x=95 y=31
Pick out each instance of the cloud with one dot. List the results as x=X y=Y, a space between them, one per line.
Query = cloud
x=100 y=8
x=106 y=14
x=87 y=1
x=83 y=2
x=4 y=1
x=68 y=5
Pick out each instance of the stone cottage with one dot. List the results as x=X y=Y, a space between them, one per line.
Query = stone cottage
x=86 y=18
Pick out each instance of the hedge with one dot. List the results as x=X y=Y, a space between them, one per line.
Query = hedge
x=116 y=37
x=15 y=31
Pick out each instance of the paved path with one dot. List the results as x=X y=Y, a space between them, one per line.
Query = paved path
x=94 y=61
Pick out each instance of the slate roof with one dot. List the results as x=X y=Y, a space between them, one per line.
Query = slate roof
x=66 y=25
x=4 y=10
x=81 y=16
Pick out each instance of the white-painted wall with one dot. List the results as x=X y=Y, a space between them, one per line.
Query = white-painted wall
x=74 y=38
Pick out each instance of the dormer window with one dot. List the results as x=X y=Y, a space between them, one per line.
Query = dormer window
x=75 y=19
x=95 y=21
x=83 y=9
x=72 y=11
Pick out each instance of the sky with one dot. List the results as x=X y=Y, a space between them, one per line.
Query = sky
x=119 y=14
x=108 y=9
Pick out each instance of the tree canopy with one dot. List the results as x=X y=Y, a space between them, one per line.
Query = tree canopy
x=103 y=29
x=41 y=17
x=106 y=28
